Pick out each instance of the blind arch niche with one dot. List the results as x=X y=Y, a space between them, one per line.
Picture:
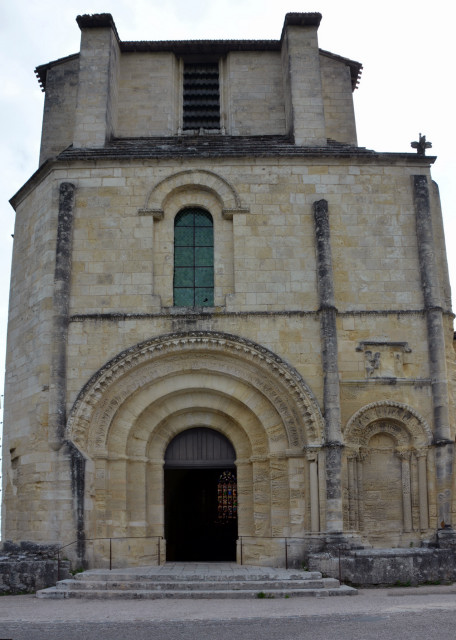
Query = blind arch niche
x=200 y=448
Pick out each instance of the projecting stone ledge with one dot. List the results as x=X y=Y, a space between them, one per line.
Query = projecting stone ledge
x=386 y=567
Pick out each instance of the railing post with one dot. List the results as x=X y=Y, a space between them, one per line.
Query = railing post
x=159 y=552
x=58 y=565
x=340 y=569
x=240 y=538
x=286 y=553
x=110 y=554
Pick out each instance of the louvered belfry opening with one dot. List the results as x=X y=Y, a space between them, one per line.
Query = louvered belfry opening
x=201 y=95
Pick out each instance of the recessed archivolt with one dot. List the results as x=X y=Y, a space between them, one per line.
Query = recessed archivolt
x=184 y=408
x=162 y=388
x=171 y=426
x=400 y=421
x=232 y=366
x=194 y=178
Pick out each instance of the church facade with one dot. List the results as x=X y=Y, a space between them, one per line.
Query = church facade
x=230 y=330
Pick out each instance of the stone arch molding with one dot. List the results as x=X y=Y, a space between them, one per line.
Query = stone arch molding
x=399 y=420
x=266 y=384
x=189 y=179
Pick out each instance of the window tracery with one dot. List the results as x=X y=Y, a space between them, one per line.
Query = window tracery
x=227 y=497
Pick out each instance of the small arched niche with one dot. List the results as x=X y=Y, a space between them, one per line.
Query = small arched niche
x=387 y=456
x=382 y=487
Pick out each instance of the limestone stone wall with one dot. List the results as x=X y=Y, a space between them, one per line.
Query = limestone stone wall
x=27 y=567
x=148 y=96
x=255 y=98
x=59 y=108
x=338 y=100
x=265 y=257
x=27 y=366
x=97 y=101
x=386 y=567
x=303 y=92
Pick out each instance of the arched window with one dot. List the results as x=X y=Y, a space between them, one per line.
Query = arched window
x=193 y=259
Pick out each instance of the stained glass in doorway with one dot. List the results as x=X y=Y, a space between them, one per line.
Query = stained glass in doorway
x=227 y=497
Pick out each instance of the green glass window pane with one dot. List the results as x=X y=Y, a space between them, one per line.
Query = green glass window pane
x=184 y=297
x=204 y=297
x=183 y=277
x=204 y=257
x=183 y=237
x=184 y=219
x=202 y=219
x=204 y=277
x=204 y=237
x=184 y=256
x=193 y=258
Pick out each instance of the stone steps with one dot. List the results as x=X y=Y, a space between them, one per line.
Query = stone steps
x=192 y=585
x=163 y=576
x=141 y=594
x=159 y=583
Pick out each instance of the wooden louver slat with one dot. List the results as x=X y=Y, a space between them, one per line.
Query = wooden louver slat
x=201 y=96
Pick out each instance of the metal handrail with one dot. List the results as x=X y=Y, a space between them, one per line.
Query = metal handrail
x=285 y=538
x=158 y=538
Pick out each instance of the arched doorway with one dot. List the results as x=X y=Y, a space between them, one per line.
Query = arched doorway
x=130 y=412
x=200 y=497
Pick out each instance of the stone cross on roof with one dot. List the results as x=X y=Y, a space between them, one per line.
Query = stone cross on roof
x=421 y=145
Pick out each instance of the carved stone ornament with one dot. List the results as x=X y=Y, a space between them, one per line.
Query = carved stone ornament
x=372 y=361
x=219 y=354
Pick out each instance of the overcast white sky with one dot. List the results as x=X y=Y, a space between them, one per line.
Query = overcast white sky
x=407 y=86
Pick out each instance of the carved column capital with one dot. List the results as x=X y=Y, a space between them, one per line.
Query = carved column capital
x=403 y=453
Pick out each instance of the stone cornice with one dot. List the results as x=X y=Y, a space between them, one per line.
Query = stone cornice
x=74 y=158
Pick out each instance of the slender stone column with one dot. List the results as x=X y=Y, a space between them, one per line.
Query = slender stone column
x=436 y=347
x=245 y=498
x=314 y=498
x=406 y=490
x=361 y=457
x=61 y=301
x=422 y=489
x=58 y=375
x=331 y=391
x=261 y=498
x=352 y=491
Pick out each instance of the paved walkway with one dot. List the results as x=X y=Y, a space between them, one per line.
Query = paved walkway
x=368 y=601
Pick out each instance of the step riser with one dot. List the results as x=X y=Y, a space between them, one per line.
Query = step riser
x=195 y=586
x=171 y=577
x=159 y=595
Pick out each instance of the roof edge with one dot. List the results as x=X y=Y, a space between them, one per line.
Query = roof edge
x=302 y=19
x=189 y=46
x=97 y=21
x=362 y=154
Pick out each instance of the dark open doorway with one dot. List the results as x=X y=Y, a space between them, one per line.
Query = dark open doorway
x=194 y=530
x=200 y=497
